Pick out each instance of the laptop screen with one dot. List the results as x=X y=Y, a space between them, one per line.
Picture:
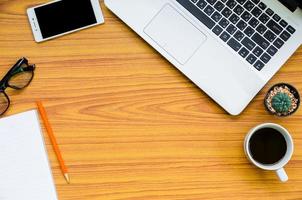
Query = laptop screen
x=292 y=5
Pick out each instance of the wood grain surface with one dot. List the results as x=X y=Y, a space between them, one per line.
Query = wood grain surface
x=131 y=126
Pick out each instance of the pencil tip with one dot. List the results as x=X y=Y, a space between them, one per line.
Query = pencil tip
x=67 y=178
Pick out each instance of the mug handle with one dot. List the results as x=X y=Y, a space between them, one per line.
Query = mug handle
x=282 y=175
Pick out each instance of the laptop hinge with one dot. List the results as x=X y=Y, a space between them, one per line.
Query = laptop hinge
x=292 y=5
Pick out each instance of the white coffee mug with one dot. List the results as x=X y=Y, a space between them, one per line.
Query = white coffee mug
x=279 y=166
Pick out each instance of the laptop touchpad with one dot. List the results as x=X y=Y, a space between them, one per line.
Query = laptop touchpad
x=175 y=34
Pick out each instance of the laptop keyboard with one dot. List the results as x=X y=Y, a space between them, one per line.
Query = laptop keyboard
x=249 y=27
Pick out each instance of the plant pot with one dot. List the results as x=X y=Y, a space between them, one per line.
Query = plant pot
x=288 y=89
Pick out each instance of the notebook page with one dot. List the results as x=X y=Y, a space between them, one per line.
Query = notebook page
x=25 y=172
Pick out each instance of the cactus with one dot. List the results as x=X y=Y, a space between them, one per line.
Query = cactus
x=281 y=102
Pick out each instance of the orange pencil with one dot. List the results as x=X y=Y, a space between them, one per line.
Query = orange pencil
x=53 y=140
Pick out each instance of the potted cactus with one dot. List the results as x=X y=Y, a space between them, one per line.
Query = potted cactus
x=282 y=100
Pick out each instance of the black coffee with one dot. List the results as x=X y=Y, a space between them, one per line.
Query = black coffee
x=267 y=146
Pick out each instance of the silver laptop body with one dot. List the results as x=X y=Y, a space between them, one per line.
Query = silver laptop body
x=228 y=48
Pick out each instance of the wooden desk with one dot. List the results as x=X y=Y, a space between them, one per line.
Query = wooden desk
x=130 y=126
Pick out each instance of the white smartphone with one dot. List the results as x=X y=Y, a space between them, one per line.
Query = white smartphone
x=61 y=17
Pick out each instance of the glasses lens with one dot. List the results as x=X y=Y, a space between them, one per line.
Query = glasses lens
x=21 y=79
x=4 y=103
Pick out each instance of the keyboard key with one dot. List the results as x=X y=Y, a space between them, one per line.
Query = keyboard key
x=224 y=22
x=219 y=6
x=231 y=29
x=216 y=16
x=241 y=1
x=257 y=51
x=278 y=43
x=264 y=18
x=224 y=1
x=270 y=36
x=241 y=25
x=239 y=35
x=265 y=58
x=249 y=5
x=208 y=22
x=234 y=44
x=283 y=23
x=194 y=1
x=243 y=52
x=276 y=17
x=217 y=30
x=251 y=58
x=211 y=1
x=259 y=65
x=201 y=4
x=249 y=44
x=246 y=16
x=262 y=6
x=253 y=22
x=269 y=11
x=285 y=35
x=261 y=28
x=209 y=10
x=258 y=39
x=256 y=12
x=234 y=18
x=249 y=31
x=272 y=50
x=291 y=29
x=225 y=36
x=226 y=12
x=276 y=28
x=238 y=10
x=231 y=4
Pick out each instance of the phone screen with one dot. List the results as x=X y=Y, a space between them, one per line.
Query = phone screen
x=63 y=16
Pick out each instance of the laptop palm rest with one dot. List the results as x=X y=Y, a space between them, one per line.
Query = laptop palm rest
x=175 y=34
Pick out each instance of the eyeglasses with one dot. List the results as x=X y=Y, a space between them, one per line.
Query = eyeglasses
x=18 y=77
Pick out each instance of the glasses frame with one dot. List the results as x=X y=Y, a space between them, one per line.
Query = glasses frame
x=16 y=69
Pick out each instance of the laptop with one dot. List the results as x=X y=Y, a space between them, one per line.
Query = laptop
x=228 y=48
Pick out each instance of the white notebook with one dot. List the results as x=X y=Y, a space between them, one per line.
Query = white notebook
x=25 y=172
